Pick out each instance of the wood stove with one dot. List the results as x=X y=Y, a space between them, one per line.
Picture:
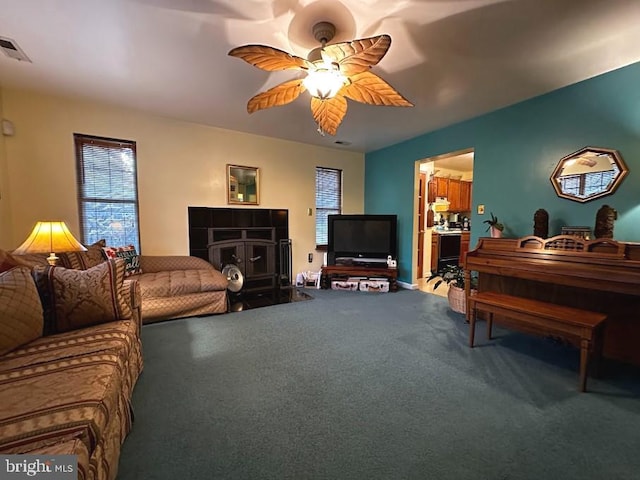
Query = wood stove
x=252 y=250
x=254 y=239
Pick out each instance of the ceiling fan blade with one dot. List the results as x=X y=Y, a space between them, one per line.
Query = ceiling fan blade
x=281 y=94
x=359 y=55
x=329 y=113
x=269 y=58
x=367 y=87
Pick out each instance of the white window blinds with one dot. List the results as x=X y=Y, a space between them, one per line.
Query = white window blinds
x=328 y=200
x=107 y=190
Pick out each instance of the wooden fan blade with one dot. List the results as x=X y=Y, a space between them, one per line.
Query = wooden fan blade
x=269 y=58
x=367 y=87
x=281 y=94
x=329 y=113
x=359 y=55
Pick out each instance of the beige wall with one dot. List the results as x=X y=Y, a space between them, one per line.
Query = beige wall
x=179 y=165
x=5 y=211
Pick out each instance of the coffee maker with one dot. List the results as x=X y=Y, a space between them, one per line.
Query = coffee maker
x=454 y=221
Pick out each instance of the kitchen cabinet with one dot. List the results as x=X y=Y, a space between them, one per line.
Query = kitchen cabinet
x=465 y=196
x=453 y=195
x=457 y=192
x=434 y=252
x=442 y=186
x=431 y=191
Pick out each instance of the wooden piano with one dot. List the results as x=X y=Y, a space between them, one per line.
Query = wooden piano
x=598 y=275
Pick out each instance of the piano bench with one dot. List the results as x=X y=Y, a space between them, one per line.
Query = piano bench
x=537 y=317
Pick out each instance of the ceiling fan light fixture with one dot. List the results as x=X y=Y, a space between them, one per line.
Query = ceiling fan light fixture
x=324 y=81
x=334 y=73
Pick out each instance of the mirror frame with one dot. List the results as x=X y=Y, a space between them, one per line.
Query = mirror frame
x=614 y=154
x=234 y=172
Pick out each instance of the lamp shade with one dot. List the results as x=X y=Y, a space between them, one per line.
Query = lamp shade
x=50 y=237
x=325 y=81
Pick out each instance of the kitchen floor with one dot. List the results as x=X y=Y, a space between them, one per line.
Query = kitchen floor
x=423 y=286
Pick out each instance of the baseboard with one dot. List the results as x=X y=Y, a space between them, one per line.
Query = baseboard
x=407 y=286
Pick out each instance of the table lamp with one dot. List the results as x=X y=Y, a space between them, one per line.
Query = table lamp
x=50 y=237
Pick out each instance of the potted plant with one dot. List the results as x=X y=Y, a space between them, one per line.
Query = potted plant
x=495 y=227
x=453 y=275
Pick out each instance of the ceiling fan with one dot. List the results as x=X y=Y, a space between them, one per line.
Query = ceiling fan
x=333 y=74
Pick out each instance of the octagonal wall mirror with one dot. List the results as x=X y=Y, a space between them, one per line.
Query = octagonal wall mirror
x=243 y=185
x=589 y=173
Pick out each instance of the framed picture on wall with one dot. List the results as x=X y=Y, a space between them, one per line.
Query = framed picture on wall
x=243 y=185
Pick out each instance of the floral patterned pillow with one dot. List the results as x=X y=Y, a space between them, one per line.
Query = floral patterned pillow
x=74 y=299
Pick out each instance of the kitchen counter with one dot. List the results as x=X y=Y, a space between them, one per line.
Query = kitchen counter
x=453 y=231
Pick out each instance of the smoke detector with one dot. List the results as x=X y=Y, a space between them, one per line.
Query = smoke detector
x=12 y=50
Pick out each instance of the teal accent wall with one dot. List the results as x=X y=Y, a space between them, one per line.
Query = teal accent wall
x=516 y=149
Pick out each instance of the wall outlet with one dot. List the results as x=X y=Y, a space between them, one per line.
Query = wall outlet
x=310 y=257
x=480 y=209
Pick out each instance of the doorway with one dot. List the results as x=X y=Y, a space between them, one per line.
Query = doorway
x=444 y=186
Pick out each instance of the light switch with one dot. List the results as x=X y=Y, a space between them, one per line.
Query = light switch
x=480 y=209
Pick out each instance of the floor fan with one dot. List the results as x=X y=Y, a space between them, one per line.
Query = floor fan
x=236 y=280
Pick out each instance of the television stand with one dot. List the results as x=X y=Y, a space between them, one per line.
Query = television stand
x=331 y=271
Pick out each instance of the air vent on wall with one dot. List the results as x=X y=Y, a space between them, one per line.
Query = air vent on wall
x=12 y=50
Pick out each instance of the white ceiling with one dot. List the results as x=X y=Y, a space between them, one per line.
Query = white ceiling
x=458 y=162
x=454 y=59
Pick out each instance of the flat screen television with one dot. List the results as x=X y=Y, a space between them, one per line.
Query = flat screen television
x=364 y=238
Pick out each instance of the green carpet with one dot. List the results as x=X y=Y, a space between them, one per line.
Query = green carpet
x=352 y=385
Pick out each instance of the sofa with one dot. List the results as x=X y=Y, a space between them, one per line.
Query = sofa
x=70 y=348
x=70 y=355
x=171 y=286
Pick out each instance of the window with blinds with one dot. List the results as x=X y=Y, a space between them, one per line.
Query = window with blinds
x=107 y=190
x=328 y=200
x=585 y=185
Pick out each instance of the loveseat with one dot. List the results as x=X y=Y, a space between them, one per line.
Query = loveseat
x=180 y=286
x=171 y=286
x=70 y=355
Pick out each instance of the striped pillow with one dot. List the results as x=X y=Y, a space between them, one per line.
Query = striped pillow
x=74 y=299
